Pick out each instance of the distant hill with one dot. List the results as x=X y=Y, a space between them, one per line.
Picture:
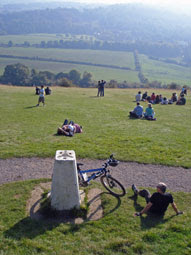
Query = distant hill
x=116 y=22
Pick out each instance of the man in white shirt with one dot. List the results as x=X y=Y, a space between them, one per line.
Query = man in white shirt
x=138 y=97
x=41 y=96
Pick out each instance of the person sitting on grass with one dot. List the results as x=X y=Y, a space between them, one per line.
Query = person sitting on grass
x=69 y=129
x=144 y=97
x=48 y=91
x=158 y=203
x=164 y=101
x=137 y=112
x=157 y=99
x=153 y=96
x=37 y=90
x=138 y=97
x=149 y=113
x=174 y=97
x=181 y=100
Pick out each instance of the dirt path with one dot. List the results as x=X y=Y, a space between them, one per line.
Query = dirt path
x=176 y=178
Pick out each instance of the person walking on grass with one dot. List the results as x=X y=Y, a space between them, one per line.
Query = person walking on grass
x=41 y=96
x=158 y=203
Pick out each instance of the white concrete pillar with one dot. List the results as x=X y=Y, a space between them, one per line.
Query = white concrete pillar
x=65 y=188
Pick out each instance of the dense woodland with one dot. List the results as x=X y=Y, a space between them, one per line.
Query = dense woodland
x=117 y=22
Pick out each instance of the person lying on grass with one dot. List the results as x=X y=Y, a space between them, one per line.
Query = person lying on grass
x=69 y=129
x=158 y=203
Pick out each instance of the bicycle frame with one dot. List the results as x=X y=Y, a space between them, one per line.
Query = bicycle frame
x=110 y=184
x=94 y=171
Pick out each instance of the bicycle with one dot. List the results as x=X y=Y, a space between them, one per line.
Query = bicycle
x=109 y=183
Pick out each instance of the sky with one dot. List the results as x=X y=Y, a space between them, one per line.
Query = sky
x=173 y=3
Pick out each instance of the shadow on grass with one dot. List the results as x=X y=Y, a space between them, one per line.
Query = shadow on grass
x=150 y=220
x=29 y=107
x=93 y=97
x=30 y=228
x=116 y=206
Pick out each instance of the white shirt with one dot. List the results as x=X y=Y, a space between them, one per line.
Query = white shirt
x=41 y=93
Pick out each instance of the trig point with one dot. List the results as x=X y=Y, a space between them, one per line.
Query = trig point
x=65 y=188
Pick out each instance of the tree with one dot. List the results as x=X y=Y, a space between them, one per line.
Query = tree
x=74 y=76
x=86 y=81
x=16 y=74
x=10 y=44
x=64 y=82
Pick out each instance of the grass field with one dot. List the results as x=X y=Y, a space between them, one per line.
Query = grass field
x=97 y=72
x=164 y=72
x=123 y=59
x=26 y=130
x=118 y=232
x=37 y=38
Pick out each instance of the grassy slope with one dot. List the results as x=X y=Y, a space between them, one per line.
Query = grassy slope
x=166 y=73
x=118 y=232
x=29 y=131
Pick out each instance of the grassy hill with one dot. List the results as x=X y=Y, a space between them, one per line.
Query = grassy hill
x=164 y=72
x=26 y=130
x=118 y=232
x=151 y=69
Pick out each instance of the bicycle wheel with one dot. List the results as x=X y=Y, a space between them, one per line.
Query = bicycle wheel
x=113 y=186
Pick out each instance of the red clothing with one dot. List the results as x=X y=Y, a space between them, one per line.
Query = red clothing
x=78 y=128
x=153 y=97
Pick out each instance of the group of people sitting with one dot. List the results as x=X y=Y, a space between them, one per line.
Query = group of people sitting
x=69 y=128
x=47 y=90
x=159 y=99
x=139 y=113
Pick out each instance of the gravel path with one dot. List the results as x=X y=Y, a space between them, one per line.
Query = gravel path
x=176 y=178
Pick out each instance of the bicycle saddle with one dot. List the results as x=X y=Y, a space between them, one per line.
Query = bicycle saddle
x=80 y=164
x=113 y=162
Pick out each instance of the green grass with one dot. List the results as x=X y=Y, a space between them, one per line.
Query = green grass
x=164 y=72
x=27 y=131
x=105 y=73
x=123 y=59
x=118 y=232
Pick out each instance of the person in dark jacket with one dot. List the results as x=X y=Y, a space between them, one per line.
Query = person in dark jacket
x=158 y=203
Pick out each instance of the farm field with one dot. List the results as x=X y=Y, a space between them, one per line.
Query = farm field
x=26 y=130
x=123 y=59
x=37 y=38
x=164 y=72
x=97 y=72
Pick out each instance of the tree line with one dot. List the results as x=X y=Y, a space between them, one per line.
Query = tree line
x=156 y=50
x=21 y=75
